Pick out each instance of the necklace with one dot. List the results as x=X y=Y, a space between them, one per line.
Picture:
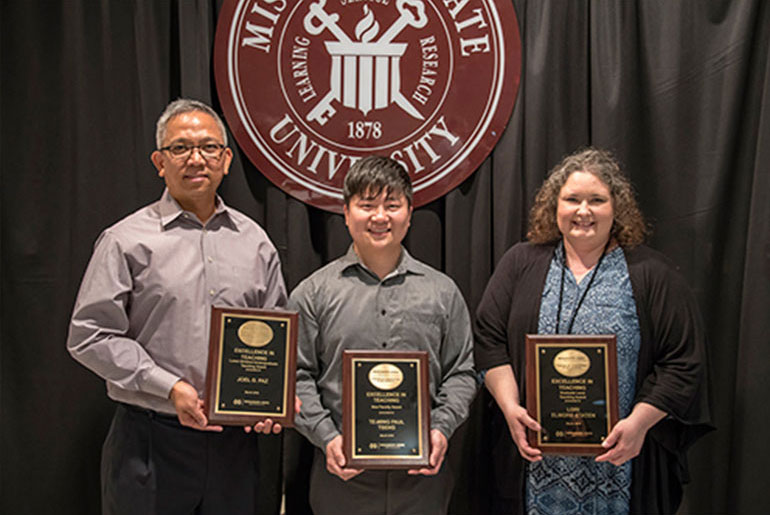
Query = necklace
x=585 y=292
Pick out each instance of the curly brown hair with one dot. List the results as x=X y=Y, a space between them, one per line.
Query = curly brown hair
x=628 y=227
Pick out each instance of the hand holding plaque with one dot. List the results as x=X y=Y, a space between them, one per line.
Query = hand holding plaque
x=572 y=391
x=385 y=409
x=252 y=366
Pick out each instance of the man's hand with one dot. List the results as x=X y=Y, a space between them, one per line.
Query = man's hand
x=518 y=421
x=189 y=407
x=268 y=426
x=335 y=460
x=265 y=427
x=438 y=447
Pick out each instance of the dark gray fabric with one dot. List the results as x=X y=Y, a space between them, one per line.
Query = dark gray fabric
x=679 y=89
x=345 y=306
x=144 y=453
x=379 y=492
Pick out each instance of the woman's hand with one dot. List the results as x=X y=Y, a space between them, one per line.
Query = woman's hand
x=625 y=440
x=501 y=383
x=518 y=422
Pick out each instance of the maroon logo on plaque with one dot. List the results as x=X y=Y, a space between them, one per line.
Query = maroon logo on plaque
x=310 y=86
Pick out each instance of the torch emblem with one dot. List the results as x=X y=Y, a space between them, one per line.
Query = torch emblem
x=365 y=73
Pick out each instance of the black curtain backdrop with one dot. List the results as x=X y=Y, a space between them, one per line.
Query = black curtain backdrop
x=680 y=90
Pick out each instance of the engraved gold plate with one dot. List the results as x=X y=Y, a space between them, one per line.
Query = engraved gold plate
x=386 y=376
x=571 y=363
x=251 y=373
x=572 y=392
x=385 y=409
x=255 y=333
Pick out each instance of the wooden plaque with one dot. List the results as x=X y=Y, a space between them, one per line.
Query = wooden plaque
x=252 y=366
x=385 y=409
x=572 y=391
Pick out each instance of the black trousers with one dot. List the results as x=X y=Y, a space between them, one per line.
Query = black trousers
x=151 y=464
x=379 y=492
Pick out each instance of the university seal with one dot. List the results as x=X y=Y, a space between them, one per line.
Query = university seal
x=310 y=86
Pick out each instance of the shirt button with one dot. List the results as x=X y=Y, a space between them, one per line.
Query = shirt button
x=383 y=312
x=210 y=259
x=211 y=292
x=384 y=344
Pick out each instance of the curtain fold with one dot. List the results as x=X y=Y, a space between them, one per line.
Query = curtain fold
x=679 y=90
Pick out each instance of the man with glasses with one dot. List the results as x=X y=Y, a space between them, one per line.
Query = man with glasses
x=141 y=322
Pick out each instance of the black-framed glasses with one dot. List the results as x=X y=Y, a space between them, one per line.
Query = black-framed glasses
x=182 y=151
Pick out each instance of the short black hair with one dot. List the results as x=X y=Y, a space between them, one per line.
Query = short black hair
x=371 y=174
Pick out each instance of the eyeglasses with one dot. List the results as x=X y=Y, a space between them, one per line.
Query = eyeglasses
x=181 y=151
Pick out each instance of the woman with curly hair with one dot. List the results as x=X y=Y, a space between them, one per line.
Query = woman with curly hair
x=585 y=270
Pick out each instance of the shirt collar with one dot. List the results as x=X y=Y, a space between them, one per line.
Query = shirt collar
x=170 y=210
x=406 y=264
x=561 y=257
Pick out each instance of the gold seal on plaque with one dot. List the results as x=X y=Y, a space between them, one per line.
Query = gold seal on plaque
x=386 y=376
x=571 y=363
x=255 y=333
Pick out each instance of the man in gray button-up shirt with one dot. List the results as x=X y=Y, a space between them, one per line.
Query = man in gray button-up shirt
x=141 y=322
x=378 y=297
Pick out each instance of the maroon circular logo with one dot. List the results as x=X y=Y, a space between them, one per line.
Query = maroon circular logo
x=310 y=86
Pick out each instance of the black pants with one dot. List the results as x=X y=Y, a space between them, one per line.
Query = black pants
x=379 y=492
x=151 y=464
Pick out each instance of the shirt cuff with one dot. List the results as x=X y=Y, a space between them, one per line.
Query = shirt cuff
x=325 y=433
x=319 y=434
x=159 y=382
x=437 y=421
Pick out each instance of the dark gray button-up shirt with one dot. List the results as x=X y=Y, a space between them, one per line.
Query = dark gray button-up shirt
x=141 y=319
x=345 y=306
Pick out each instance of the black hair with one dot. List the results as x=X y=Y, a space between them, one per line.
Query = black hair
x=372 y=174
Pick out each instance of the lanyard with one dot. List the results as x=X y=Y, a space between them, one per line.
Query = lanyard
x=585 y=292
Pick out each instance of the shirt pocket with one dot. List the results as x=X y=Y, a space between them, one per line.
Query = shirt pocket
x=242 y=286
x=421 y=330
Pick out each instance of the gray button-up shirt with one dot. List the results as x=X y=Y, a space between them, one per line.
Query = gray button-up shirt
x=141 y=319
x=345 y=306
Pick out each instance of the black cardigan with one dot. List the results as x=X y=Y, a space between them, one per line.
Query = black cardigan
x=672 y=372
